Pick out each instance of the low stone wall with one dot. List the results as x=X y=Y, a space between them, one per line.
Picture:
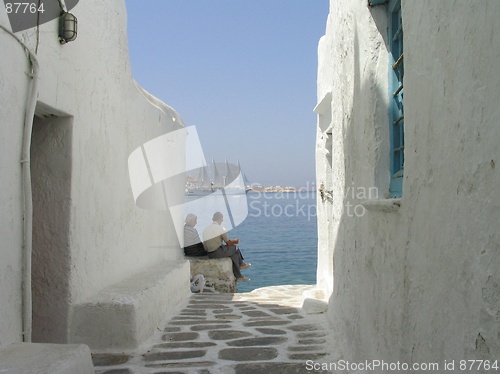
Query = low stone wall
x=217 y=272
x=124 y=315
x=23 y=358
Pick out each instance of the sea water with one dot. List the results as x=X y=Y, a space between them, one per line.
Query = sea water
x=279 y=238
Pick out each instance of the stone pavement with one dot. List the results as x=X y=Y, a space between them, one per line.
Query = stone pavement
x=263 y=331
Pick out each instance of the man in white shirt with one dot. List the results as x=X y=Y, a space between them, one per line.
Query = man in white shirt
x=214 y=236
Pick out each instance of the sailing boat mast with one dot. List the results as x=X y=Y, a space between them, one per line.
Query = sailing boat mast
x=216 y=177
x=229 y=177
x=203 y=179
x=211 y=178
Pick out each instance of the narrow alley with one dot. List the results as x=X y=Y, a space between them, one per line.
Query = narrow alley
x=264 y=331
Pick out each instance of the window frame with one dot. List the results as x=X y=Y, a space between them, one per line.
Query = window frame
x=396 y=92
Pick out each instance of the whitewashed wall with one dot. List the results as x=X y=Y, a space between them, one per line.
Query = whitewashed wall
x=418 y=283
x=88 y=232
x=13 y=94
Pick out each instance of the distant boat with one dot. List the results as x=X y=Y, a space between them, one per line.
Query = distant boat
x=227 y=178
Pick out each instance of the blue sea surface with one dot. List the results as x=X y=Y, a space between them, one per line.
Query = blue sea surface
x=279 y=238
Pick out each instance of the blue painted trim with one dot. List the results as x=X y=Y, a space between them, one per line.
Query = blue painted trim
x=392 y=5
x=396 y=109
x=377 y=2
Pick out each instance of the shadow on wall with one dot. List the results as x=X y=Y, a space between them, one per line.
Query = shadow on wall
x=51 y=155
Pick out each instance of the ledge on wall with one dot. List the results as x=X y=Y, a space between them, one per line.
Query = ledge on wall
x=125 y=314
x=382 y=205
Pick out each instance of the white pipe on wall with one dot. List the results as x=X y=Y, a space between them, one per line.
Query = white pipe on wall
x=26 y=185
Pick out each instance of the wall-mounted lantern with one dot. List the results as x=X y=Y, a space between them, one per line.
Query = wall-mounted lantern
x=67 y=27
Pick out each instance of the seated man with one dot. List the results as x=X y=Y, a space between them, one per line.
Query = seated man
x=192 y=242
x=213 y=236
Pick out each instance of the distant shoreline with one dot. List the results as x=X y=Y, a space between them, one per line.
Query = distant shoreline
x=280 y=189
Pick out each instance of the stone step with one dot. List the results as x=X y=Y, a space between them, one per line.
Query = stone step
x=31 y=358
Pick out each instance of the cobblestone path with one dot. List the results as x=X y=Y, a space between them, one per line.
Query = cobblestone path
x=264 y=331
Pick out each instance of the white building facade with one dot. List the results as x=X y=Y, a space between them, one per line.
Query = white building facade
x=407 y=166
x=89 y=237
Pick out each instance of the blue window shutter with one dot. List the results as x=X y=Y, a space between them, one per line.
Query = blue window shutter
x=377 y=2
x=396 y=93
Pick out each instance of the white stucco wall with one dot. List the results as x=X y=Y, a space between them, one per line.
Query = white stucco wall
x=101 y=237
x=419 y=283
x=13 y=92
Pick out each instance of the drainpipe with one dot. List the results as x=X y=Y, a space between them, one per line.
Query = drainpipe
x=26 y=185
